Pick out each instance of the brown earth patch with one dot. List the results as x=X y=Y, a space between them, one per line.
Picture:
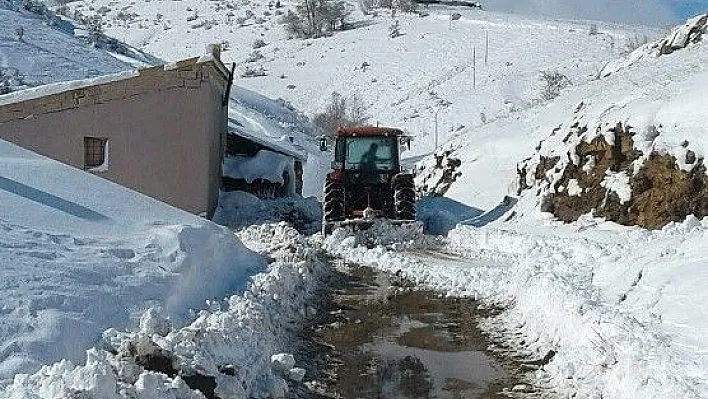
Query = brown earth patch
x=661 y=192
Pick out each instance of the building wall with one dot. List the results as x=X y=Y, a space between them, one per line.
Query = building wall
x=165 y=130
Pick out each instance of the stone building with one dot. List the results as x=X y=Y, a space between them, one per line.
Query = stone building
x=160 y=130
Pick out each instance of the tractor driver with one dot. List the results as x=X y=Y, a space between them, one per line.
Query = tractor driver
x=369 y=159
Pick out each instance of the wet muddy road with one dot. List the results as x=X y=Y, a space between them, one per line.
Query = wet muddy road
x=375 y=337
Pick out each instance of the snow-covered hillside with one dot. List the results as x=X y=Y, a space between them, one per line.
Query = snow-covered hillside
x=403 y=81
x=659 y=91
x=36 y=50
x=81 y=254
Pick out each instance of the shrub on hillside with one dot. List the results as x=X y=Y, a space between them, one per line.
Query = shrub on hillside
x=316 y=18
x=251 y=72
x=634 y=42
x=394 y=30
x=554 y=82
x=341 y=111
x=254 y=56
x=401 y=5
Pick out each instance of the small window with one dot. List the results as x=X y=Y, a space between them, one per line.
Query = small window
x=95 y=150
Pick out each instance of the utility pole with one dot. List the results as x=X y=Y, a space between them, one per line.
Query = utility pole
x=436 y=130
x=486 y=51
x=474 y=67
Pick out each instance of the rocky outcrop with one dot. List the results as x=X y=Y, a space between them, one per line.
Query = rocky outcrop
x=682 y=36
x=679 y=38
x=608 y=177
x=663 y=193
x=436 y=174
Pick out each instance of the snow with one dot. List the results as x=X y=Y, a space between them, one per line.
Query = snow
x=60 y=87
x=679 y=38
x=574 y=188
x=81 y=254
x=272 y=124
x=616 y=305
x=437 y=54
x=239 y=209
x=266 y=122
x=54 y=54
x=245 y=332
x=617 y=183
x=267 y=165
x=283 y=361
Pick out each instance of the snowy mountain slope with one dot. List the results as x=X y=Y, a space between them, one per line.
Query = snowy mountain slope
x=403 y=81
x=661 y=91
x=618 y=306
x=47 y=54
x=617 y=309
x=81 y=254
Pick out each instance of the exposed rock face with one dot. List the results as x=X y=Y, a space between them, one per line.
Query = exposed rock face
x=436 y=178
x=663 y=194
x=691 y=32
x=611 y=180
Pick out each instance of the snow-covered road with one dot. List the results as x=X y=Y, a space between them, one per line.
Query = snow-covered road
x=615 y=306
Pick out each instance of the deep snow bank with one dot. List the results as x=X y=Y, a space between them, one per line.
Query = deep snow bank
x=233 y=349
x=616 y=306
x=238 y=209
x=79 y=254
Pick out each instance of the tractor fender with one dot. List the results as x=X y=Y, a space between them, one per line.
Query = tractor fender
x=401 y=177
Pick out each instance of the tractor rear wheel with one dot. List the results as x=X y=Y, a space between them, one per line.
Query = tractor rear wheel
x=404 y=197
x=333 y=201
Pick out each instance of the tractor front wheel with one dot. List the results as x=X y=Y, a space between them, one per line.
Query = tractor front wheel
x=404 y=197
x=333 y=201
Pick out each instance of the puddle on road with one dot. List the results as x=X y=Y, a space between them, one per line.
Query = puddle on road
x=377 y=338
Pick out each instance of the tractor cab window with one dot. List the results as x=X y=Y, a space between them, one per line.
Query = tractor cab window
x=370 y=153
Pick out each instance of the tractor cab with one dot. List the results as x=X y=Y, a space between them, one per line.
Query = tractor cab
x=366 y=180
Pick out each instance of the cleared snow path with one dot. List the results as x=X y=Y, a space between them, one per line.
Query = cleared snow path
x=571 y=300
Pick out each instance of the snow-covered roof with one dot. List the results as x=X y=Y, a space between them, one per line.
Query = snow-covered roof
x=265 y=164
x=265 y=122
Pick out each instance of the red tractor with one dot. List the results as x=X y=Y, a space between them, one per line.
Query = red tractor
x=366 y=180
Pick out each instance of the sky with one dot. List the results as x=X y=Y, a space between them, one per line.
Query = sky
x=647 y=12
x=688 y=8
